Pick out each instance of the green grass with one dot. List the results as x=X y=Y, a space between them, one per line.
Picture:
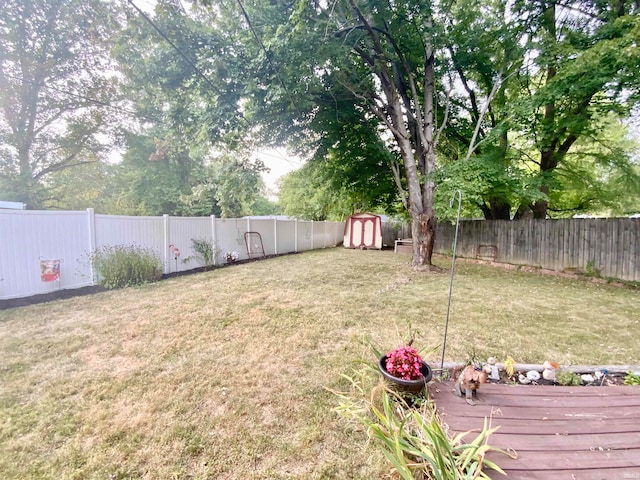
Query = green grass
x=223 y=374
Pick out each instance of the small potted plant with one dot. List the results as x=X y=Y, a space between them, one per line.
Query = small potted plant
x=405 y=369
x=231 y=257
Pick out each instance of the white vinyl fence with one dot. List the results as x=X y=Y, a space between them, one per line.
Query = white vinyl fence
x=41 y=252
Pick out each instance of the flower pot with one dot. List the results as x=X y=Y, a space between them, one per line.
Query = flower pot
x=401 y=385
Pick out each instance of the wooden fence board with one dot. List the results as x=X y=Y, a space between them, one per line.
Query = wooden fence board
x=610 y=246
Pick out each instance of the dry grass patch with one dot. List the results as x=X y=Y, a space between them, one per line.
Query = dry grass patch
x=223 y=374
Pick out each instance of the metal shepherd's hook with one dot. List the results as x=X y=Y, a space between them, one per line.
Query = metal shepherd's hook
x=453 y=263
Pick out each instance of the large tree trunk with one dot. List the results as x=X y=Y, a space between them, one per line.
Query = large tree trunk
x=409 y=116
x=423 y=233
x=497 y=209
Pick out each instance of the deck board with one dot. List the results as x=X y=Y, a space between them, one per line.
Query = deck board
x=557 y=432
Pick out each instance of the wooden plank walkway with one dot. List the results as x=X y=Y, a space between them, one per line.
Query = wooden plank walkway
x=557 y=432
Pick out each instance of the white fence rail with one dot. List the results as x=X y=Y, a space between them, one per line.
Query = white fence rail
x=33 y=240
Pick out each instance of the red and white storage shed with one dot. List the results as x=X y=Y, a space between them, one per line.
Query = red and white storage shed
x=363 y=230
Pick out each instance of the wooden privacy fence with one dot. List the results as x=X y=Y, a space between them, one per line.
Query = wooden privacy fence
x=42 y=252
x=607 y=247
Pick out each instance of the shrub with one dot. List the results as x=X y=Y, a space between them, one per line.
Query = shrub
x=567 y=378
x=204 y=248
x=125 y=265
x=632 y=378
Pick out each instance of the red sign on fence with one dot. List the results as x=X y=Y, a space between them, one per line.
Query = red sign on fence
x=50 y=270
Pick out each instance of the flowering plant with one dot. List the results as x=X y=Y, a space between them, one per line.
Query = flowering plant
x=405 y=363
x=231 y=256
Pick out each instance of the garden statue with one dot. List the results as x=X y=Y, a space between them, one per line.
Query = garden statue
x=469 y=381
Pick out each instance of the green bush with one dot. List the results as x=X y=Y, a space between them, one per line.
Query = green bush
x=568 y=378
x=205 y=249
x=125 y=265
x=632 y=379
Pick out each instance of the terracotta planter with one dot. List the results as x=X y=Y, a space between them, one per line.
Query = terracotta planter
x=401 y=385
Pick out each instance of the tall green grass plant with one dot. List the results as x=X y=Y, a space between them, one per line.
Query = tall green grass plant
x=410 y=435
x=125 y=265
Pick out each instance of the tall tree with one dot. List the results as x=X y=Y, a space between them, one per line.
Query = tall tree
x=151 y=177
x=55 y=85
x=364 y=82
x=379 y=58
x=229 y=187
x=586 y=66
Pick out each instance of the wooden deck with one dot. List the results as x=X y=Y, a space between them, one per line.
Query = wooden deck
x=557 y=432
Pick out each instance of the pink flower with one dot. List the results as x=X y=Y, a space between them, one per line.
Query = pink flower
x=405 y=363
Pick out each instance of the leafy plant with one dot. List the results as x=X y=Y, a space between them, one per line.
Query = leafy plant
x=632 y=379
x=205 y=249
x=412 y=439
x=564 y=377
x=510 y=366
x=591 y=270
x=125 y=265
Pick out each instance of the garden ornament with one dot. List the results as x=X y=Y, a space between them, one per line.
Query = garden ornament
x=492 y=369
x=469 y=381
x=549 y=370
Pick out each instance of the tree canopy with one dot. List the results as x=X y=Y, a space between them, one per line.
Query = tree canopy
x=57 y=91
x=395 y=105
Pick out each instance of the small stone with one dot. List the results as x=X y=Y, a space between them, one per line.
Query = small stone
x=523 y=379
x=587 y=378
x=533 y=375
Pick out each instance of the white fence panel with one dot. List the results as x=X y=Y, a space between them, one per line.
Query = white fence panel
x=28 y=239
x=181 y=232
x=286 y=230
x=230 y=237
x=319 y=235
x=305 y=235
x=266 y=229
x=145 y=232
x=336 y=233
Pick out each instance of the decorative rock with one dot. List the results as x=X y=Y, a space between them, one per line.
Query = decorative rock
x=533 y=375
x=523 y=379
x=587 y=378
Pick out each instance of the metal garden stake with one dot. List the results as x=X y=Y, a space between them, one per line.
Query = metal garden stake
x=453 y=263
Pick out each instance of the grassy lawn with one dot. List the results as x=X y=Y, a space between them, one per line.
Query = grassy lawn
x=222 y=375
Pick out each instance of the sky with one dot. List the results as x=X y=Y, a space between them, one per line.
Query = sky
x=279 y=163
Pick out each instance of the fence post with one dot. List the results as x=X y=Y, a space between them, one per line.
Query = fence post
x=214 y=240
x=91 y=221
x=167 y=265
x=312 y=224
x=324 y=235
x=295 y=247
x=275 y=236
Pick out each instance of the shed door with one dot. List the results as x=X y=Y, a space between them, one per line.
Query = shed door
x=363 y=232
